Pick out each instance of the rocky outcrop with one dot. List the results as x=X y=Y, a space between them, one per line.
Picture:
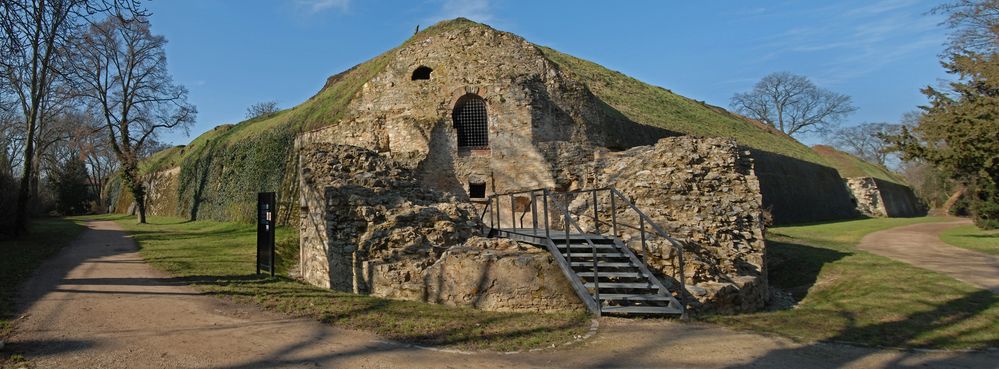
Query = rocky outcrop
x=500 y=275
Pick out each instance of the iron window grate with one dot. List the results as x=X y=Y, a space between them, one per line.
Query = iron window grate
x=472 y=123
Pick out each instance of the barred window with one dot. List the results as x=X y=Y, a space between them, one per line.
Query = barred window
x=471 y=122
x=476 y=190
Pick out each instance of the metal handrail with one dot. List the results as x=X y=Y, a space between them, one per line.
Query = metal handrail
x=643 y=218
x=593 y=247
x=548 y=197
x=677 y=245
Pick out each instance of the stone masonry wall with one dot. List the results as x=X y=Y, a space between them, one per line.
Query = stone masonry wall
x=369 y=226
x=879 y=198
x=703 y=192
x=865 y=192
x=529 y=100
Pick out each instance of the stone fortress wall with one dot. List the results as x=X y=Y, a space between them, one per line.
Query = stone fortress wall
x=879 y=198
x=397 y=222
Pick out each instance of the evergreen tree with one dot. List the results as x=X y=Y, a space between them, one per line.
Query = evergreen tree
x=958 y=131
x=69 y=182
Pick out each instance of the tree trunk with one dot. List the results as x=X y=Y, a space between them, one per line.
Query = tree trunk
x=24 y=192
x=131 y=176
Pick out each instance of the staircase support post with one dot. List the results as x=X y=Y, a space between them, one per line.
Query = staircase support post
x=534 y=213
x=645 y=248
x=596 y=215
x=513 y=212
x=613 y=213
x=544 y=196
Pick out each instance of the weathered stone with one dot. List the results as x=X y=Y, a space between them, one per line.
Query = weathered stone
x=385 y=190
x=879 y=198
x=721 y=224
x=373 y=228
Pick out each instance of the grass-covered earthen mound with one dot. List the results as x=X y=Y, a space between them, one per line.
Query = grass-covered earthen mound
x=852 y=166
x=217 y=174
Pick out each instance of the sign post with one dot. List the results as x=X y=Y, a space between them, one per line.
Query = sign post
x=266 y=221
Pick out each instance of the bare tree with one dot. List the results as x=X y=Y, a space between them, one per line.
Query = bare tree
x=975 y=24
x=33 y=41
x=122 y=70
x=261 y=109
x=866 y=141
x=793 y=104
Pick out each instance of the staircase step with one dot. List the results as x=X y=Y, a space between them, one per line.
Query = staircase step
x=554 y=234
x=586 y=246
x=612 y=274
x=640 y=310
x=633 y=297
x=635 y=285
x=589 y=255
x=602 y=264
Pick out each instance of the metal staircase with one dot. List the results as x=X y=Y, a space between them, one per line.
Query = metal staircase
x=604 y=272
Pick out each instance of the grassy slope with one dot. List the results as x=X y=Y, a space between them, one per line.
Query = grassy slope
x=218 y=258
x=852 y=166
x=854 y=296
x=325 y=108
x=22 y=256
x=972 y=238
x=662 y=108
x=639 y=101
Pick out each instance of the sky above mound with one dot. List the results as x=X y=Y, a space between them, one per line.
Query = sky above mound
x=231 y=54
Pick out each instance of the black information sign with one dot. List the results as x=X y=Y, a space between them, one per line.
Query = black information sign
x=266 y=220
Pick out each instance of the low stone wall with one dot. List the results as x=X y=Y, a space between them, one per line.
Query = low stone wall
x=879 y=198
x=705 y=193
x=369 y=226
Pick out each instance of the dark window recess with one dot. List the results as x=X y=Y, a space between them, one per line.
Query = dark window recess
x=477 y=190
x=422 y=73
x=471 y=122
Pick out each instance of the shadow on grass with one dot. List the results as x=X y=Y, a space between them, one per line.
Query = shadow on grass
x=947 y=316
x=795 y=267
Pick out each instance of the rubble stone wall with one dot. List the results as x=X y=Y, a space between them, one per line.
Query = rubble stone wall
x=703 y=192
x=369 y=226
x=880 y=198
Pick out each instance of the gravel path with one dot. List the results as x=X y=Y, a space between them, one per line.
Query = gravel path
x=99 y=305
x=920 y=245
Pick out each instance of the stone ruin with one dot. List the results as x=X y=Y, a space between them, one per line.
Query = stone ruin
x=879 y=198
x=391 y=195
x=369 y=226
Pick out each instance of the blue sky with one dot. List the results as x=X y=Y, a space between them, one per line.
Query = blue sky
x=231 y=54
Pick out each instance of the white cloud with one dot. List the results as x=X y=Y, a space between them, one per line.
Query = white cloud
x=861 y=41
x=316 y=6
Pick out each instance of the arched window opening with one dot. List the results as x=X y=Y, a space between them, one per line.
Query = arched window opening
x=471 y=122
x=422 y=73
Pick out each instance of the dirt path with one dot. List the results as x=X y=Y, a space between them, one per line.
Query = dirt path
x=99 y=305
x=920 y=245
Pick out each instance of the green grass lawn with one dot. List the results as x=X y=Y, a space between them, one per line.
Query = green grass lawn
x=218 y=259
x=22 y=256
x=972 y=238
x=848 y=295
